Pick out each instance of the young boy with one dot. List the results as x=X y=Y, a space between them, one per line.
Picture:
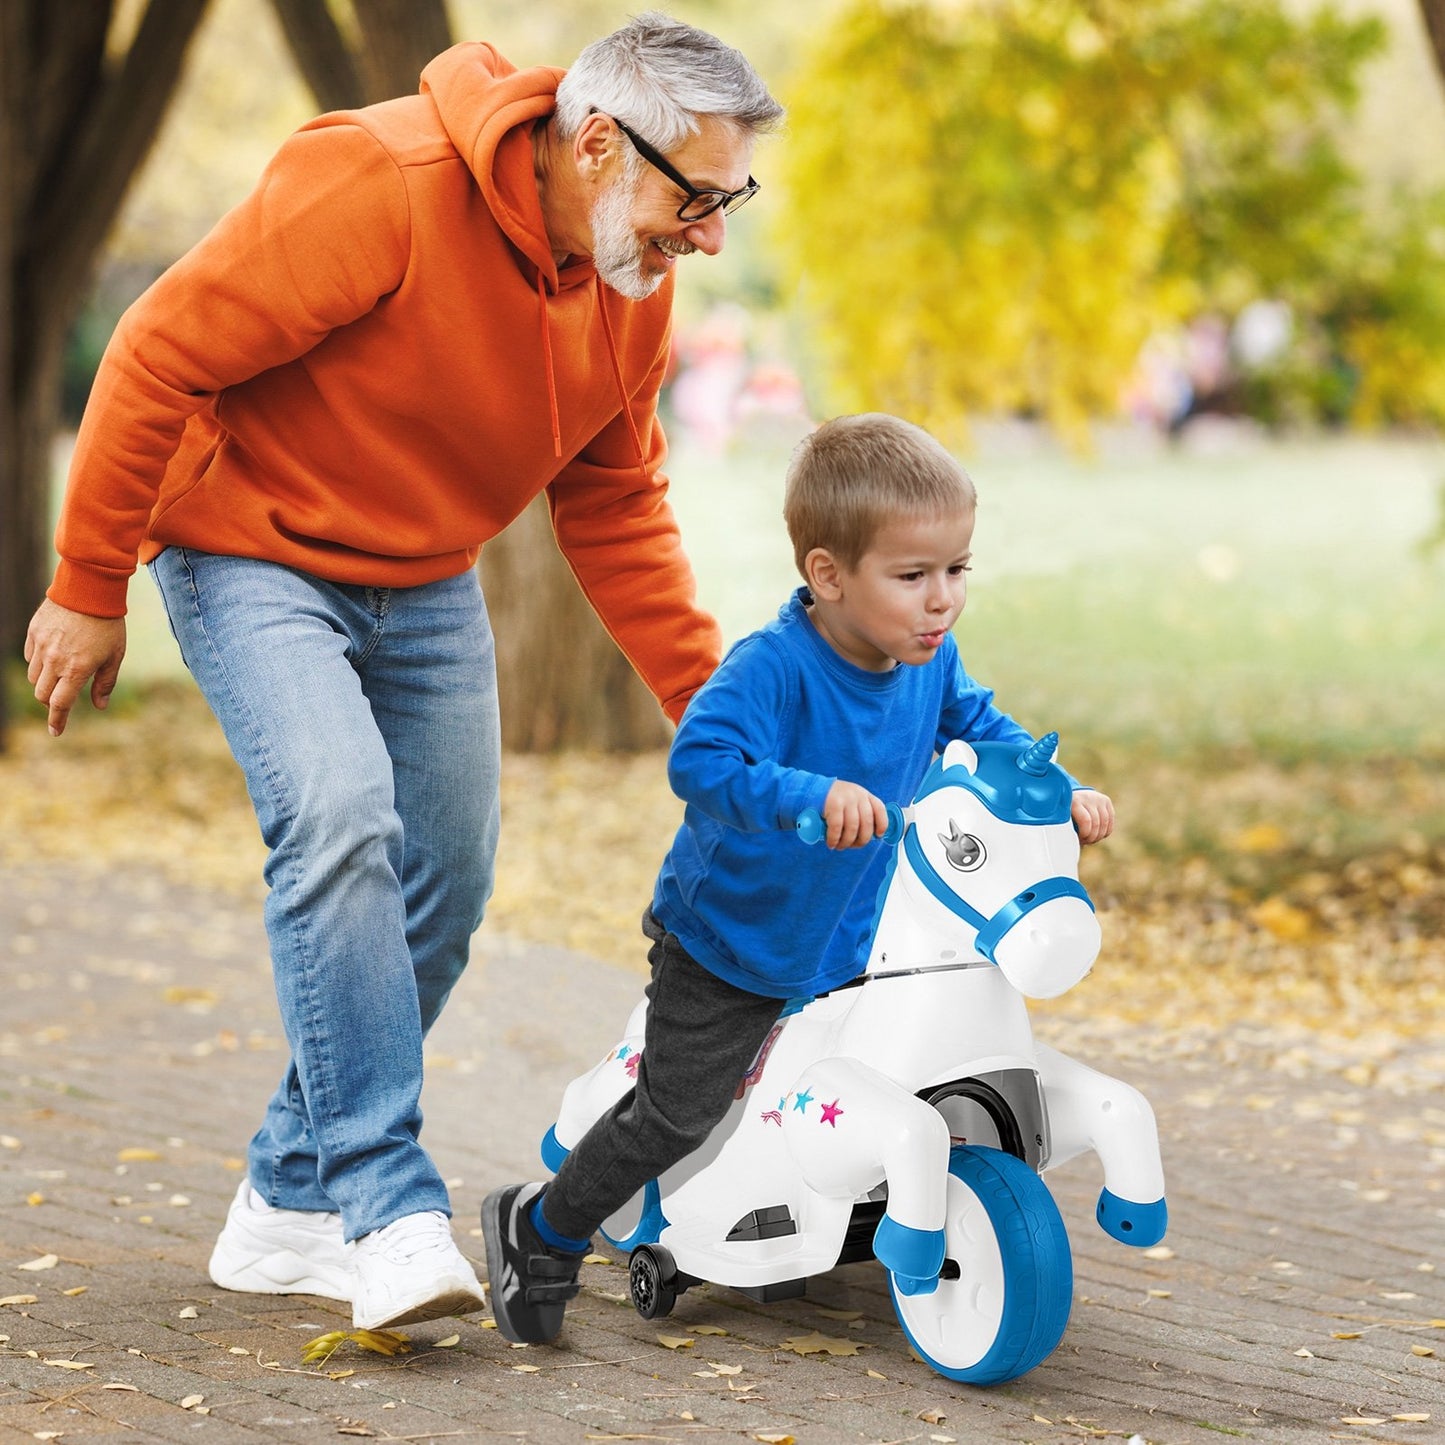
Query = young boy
x=838 y=705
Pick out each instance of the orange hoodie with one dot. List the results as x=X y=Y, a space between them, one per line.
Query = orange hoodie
x=372 y=365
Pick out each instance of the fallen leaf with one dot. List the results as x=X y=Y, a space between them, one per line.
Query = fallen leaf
x=595 y=1259
x=18 y=1299
x=1161 y=1294
x=527 y=1369
x=117 y=1385
x=46 y=1261
x=1347 y=1335
x=837 y=1314
x=191 y=1401
x=775 y=1439
x=379 y=1342
x=70 y=1364
x=706 y=1330
x=725 y=1369
x=447 y=1343
x=136 y=1156
x=78 y=1289
x=1423 y=1351
x=48 y=1434
x=816 y=1344
x=203 y=998
x=35 y=1198
x=1362 y=1419
x=1413 y=1417
x=932 y=1417
x=874 y=1375
x=1305 y=1354
x=676 y=1342
x=189 y=1313
x=1159 y=1251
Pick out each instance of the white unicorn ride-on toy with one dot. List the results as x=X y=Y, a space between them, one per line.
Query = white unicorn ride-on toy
x=908 y=1115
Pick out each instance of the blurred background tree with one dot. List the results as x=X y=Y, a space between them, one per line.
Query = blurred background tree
x=81 y=100
x=994 y=207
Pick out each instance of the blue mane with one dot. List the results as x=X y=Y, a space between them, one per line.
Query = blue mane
x=1011 y=793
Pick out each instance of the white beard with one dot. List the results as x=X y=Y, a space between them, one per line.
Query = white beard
x=617 y=250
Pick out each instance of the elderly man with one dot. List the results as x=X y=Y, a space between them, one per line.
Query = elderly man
x=427 y=312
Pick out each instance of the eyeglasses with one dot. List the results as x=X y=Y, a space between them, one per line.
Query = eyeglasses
x=699 y=203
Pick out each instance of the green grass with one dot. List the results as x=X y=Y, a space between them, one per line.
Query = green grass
x=1273 y=598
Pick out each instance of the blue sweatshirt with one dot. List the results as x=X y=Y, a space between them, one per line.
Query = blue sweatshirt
x=781 y=719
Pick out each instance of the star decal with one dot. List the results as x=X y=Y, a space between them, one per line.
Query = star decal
x=830 y=1114
x=802 y=1101
x=631 y=1065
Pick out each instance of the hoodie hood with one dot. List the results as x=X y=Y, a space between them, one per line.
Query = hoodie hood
x=488 y=108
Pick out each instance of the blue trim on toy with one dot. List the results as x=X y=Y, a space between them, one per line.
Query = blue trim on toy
x=990 y=931
x=1024 y=903
x=1131 y=1223
x=1037 y=1268
x=552 y=1151
x=649 y=1227
x=1011 y=787
x=912 y=1256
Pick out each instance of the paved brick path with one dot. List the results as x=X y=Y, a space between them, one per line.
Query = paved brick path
x=1307 y=1230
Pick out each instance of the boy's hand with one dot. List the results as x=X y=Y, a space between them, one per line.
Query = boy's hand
x=1093 y=815
x=853 y=816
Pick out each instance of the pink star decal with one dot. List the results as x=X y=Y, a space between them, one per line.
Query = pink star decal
x=830 y=1114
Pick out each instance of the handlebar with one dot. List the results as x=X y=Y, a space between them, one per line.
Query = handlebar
x=812 y=829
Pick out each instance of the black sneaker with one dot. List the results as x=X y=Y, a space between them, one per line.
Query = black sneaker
x=531 y=1282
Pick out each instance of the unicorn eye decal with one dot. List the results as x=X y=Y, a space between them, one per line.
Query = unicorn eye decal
x=963 y=850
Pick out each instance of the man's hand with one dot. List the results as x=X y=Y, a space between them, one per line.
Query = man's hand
x=1093 y=815
x=65 y=650
x=853 y=816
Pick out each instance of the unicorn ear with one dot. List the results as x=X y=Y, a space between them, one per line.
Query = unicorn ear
x=958 y=754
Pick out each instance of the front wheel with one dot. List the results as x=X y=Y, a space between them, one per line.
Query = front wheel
x=1007 y=1284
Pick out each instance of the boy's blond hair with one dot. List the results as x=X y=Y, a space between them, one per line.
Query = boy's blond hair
x=856 y=473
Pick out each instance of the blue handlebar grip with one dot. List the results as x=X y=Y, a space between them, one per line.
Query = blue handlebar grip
x=811 y=828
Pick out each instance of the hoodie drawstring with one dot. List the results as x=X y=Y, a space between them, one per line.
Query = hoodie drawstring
x=621 y=384
x=547 y=362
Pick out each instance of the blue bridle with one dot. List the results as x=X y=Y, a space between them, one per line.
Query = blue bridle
x=990 y=932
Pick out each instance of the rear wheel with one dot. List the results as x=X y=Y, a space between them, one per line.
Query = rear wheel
x=651 y=1276
x=1007 y=1284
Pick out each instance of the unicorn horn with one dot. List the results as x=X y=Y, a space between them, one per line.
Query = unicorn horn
x=1036 y=757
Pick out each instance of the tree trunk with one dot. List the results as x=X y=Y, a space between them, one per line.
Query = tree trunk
x=563 y=681
x=75 y=126
x=1434 y=14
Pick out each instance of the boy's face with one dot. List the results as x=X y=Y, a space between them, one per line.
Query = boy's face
x=906 y=592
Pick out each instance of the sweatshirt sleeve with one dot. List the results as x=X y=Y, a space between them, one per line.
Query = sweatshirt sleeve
x=723 y=757
x=615 y=526
x=321 y=239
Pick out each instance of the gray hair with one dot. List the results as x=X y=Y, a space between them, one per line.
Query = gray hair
x=660 y=76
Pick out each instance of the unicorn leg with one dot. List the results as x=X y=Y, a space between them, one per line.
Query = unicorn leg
x=847 y=1126
x=1089 y=1110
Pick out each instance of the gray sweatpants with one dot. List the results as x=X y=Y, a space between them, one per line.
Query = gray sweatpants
x=702 y=1036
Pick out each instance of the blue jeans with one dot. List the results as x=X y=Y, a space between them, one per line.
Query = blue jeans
x=365 y=720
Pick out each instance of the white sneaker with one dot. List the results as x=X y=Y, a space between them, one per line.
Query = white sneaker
x=411 y=1270
x=263 y=1250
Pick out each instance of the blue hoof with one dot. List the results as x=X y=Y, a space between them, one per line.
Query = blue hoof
x=1138 y=1224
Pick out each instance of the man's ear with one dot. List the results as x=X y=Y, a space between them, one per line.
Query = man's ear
x=595 y=142
x=823 y=574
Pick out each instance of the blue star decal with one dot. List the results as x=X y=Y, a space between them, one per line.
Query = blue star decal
x=802 y=1101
